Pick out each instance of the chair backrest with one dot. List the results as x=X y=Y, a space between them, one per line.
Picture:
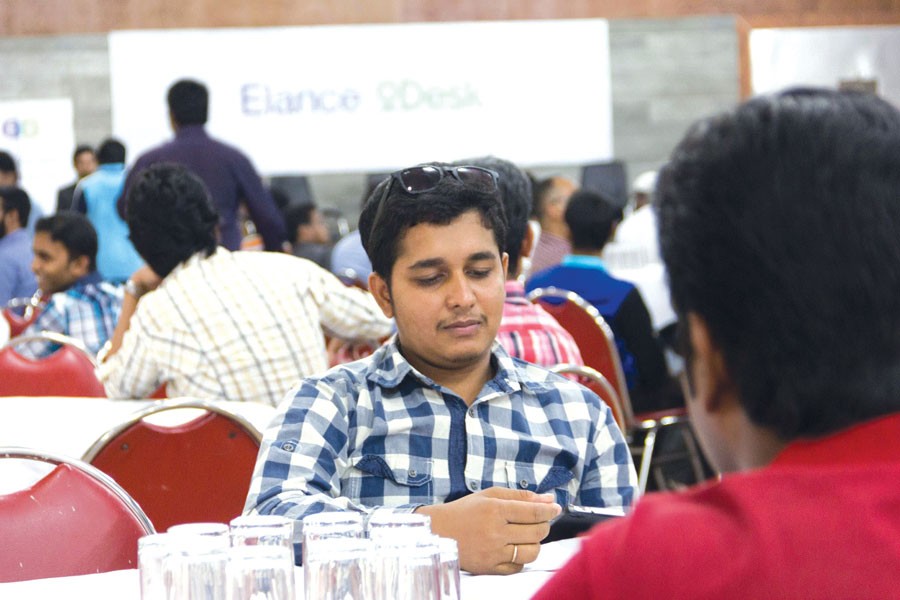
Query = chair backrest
x=69 y=371
x=600 y=385
x=30 y=307
x=73 y=521
x=591 y=332
x=191 y=472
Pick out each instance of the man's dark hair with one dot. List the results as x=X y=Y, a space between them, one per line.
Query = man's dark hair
x=74 y=231
x=591 y=216
x=7 y=162
x=188 y=102
x=515 y=193
x=111 y=151
x=15 y=198
x=296 y=215
x=79 y=150
x=440 y=206
x=779 y=226
x=170 y=217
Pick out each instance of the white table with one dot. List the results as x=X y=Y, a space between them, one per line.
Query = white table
x=125 y=585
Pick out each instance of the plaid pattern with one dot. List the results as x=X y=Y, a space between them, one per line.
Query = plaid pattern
x=529 y=332
x=87 y=311
x=243 y=326
x=377 y=433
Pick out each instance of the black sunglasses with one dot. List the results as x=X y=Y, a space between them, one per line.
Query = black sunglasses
x=424 y=178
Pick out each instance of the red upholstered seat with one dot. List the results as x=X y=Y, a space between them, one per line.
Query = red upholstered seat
x=73 y=521
x=70 y=371
x=21 y=312
x=195 y=471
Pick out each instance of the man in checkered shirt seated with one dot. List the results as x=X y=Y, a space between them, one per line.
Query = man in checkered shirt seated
x=440 y=420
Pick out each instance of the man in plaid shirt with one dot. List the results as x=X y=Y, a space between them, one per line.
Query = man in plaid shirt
x=440 y=420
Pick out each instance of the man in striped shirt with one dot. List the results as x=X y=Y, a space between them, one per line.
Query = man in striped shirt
x=441 y=420
x=212 y=323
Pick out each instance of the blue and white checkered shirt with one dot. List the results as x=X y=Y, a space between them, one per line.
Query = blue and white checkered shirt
x=377 y=433
x=87 y=311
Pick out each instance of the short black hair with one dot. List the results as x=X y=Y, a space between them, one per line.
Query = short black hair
x=296 y=215
x=15 y=198
x=779 y=225
x=591 y=216
x=111 y=151
x=8 y=163
x=188 y=102
x=74 y=231
x=81 y=149
x=440 y=206
x=515 y=193
x=170 y=217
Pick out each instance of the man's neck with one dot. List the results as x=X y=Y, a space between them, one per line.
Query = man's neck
x=587 y=252
x=560 y=230
x=465 y=382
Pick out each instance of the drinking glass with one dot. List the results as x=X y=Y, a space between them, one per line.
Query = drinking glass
x=328 y=525
x=407 y=565
x=153 y=550
x=198 y=566
x=391 y=524
x=215 y=533
x=449 y=568
x=338 y=568
x=262 y=530
x=261 y=559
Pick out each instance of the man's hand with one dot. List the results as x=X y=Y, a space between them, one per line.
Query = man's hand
x=497 y=530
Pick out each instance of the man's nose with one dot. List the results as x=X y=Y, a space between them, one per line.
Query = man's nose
x=460 y=293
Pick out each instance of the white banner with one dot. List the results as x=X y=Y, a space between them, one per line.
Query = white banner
x=40 y=136
x=377 y=97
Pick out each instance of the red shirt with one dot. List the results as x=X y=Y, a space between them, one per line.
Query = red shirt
x=529 y=332
x=822 y=521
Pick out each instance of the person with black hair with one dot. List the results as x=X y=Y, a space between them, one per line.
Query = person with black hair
x=308 y=233
x=441 y=420
x=84 y=160
x=227 y=173
x=81 y=305
x=779 y=224
x=551 y=197
x=96 y=197
x=16 y=278
x=212 y=323
x=592 y=219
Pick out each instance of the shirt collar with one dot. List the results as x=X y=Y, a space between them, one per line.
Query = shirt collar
x=870 y=442
x=583 y=260
x=194 y=260
x=190 y=131
x=515 y=292
x=92 y=278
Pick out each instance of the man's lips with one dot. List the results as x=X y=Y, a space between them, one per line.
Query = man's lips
x=464 y=325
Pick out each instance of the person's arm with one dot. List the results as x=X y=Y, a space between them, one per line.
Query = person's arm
x=347 y=311
x=141 y=281
x=260 y=205
x=79 y=202
x=634 y=325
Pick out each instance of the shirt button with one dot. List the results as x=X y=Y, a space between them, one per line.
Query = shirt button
x=523 y=484
x=288 y=447
x=473 y=484
x=412 y=473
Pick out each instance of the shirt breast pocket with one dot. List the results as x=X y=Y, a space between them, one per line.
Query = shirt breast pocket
x=522 y=476
x=387 y=481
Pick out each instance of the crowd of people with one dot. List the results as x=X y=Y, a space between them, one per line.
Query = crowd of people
x=772 y=280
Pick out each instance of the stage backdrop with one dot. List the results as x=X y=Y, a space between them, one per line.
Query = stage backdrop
x=374 y=98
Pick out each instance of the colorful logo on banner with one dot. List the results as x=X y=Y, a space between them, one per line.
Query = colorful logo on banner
x=20 y=128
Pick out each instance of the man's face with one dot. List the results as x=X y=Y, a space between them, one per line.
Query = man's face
x=2 y=220
x=54 y=269
x=316 y=231
x=85 y=164
x=446 y=294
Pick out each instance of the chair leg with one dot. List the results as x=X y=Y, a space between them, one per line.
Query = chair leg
x=647 y=458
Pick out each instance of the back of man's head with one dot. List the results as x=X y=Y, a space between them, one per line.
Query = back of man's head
x=74 y=231
x=385 y=219
x=515 y=193
x=16 y=199
x=188 y=102
x=9 y=172
x=591 y=217
x=111 y=151
x=170 y=217
x=780 y=228
x=296 y=215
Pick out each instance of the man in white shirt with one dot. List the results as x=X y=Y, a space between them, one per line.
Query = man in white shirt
x=208 y=322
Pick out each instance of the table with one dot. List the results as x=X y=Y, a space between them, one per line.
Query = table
x=125 y=585
x=69 y=426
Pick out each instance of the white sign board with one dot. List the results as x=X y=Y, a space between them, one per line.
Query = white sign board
x=826 y=56
x=40 y=136
x=377 y=97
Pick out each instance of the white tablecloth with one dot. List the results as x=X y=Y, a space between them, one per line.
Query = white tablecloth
x=125 y=585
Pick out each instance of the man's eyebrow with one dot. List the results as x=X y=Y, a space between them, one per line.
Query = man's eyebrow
x=428 y=263
x=478 y=256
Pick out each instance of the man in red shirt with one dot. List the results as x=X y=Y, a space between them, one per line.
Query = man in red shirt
x=779 y=225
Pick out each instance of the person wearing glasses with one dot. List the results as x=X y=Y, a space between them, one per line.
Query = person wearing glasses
x=779 y=224
x=440 y=420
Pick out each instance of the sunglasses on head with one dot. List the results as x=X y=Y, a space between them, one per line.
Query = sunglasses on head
x=424 y=178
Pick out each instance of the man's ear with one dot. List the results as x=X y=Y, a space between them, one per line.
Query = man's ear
x=712 y=386
x=80 y=266
x=504 y=261
x=382 y=293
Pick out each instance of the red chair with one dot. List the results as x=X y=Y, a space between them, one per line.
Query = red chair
x=597 y=344
x=194 y=471
x=600 y=385
x=73 y=521
x=69 y=371
x=30 y=307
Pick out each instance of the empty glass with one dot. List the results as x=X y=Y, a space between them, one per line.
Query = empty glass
x=198 y=566
x=215 y=533
x=449 y=568
x=407 y=565
x=390 y=524
x=338 y=568
x=152 y=553
x=261 y=559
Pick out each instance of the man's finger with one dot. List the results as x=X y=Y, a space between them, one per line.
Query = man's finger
x=516 y=511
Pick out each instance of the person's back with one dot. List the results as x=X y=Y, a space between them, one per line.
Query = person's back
x=778 y=225
x=16 y=278
x=96 y=197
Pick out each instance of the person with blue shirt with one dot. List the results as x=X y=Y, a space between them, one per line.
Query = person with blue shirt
x=592 y=219
x=96 y=197
x=16 y=278
x=441 y=420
